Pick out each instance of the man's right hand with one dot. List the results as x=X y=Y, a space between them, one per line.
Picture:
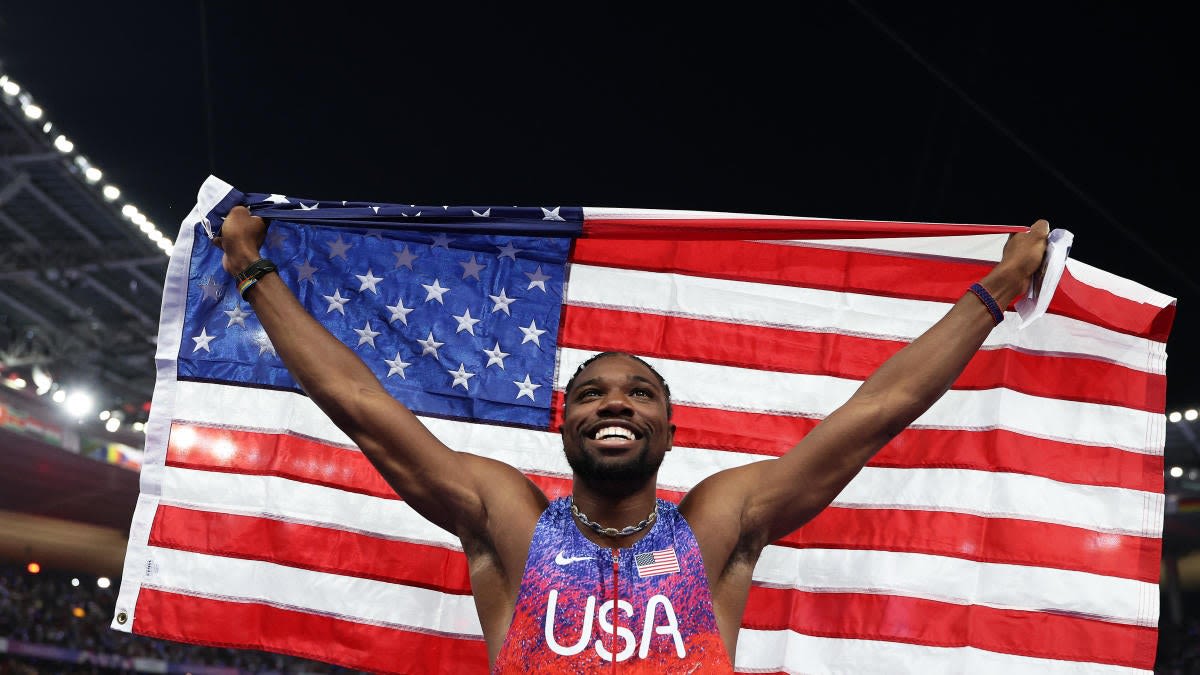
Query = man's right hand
x=241 y=237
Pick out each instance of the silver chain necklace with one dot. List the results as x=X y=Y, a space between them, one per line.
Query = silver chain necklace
x=612 y=531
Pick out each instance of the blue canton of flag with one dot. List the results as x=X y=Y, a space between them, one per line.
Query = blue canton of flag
x=454 y=324
x=655 y=563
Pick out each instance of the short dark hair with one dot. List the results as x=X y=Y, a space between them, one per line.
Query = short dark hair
x=601 y=355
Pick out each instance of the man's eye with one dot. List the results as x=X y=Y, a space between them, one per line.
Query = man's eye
x=645 y=393
x=588 y=393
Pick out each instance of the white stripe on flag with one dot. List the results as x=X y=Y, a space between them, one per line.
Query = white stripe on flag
x=381 y=603
x=791 y=652
x=812 y=309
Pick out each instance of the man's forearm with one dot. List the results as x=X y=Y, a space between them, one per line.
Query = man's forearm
x=916 y=377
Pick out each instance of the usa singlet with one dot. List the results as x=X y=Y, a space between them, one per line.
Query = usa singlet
x=580 y=603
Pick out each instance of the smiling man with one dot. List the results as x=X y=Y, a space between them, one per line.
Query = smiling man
x=612 y=577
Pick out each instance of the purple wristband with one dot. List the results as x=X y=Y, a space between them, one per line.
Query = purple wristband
x=988 y=301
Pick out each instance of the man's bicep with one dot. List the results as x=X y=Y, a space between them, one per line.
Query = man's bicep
x=792 y=489
x=439 y=483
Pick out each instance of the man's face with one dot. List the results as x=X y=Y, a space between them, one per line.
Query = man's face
x=615 y=427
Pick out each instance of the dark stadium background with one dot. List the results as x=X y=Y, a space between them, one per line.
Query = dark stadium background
x=1079 y=112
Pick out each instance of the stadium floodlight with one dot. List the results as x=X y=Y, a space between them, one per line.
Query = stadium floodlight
x=103 y=582
x=139 y=426
x=79 y=404
x=33 y=111
x=128 y=210
x=47 y=127
x=1176 y=471
x=104 y=415
x=63 y=144
x=1175 y=416
x=11 y=88
x=112 y=425
x=60 y=396
x=147 y=227
x=138 y=218
x=111 y=192
x=75 y=581
x=93 y=175
x=1190 y=414
x=166 y=245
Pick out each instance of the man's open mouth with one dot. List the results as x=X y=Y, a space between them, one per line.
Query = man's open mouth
x=606 y=433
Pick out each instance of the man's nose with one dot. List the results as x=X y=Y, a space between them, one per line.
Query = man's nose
x=615 y=403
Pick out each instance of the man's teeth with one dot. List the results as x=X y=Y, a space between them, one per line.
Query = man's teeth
x=614 y=432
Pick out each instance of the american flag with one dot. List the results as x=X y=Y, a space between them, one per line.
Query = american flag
x=655 y=563
x=1014 y=527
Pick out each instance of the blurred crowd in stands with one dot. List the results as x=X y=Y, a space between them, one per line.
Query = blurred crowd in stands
x=48 y=625
x=1179 y=648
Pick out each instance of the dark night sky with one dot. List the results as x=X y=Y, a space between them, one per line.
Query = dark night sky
x=1080 y=113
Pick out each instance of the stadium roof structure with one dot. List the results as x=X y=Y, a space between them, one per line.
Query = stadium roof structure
x=81 y=268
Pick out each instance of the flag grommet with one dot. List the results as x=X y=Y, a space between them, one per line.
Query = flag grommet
x=122 y=617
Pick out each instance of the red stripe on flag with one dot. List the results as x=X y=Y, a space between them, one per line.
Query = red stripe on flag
x=970 y=537
x=251 y=625
x=896 y=276
x=717 y=228
x=991 y=450
x=850 y=356
x=982 y=539
x=942 y=624
x=194 y=446
x=311 y=547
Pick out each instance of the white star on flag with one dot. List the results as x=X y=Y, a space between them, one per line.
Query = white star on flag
x=277 y=199
x=202 y=341
x=276 y=238
x=552 y=214
x=495 y=356
x=441 y=239
x=399 y=312
x=531 y=333
x=369 y=281
x=211 y=289
x=471 y=268
x=465 y=322
x=526 y=388
x=404 y=258
x=537 y=279
x=502 y=302
x=306 y=271
x=366 y=335
x=485 y=214
x=336 y=301
x=396 y=366
x=338 y=248
x=264 y=344
x=309 y=208
x=435 y=291
x=509 y=251
x=430 y=346
x=236 y=315
x=460 y=376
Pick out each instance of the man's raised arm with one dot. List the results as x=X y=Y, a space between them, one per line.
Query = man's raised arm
x=777 y=496
x=448 y=488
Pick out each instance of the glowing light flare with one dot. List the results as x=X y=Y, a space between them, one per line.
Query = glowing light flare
x=77 y=612
x=104 y=415
x=111 y=192
x=63 y=144
x=33 y=111
x=1190 y=414
x=138 y=426
x=93 y=175
x=75 y=582
x=1176 y=471
x=103 y=582
x=33 y=568
x=112 y=425
x=128 y=210
x=1175 y=416
x=11 y=88
x=139 y=218
x=79 y=404
x=183 y=438
x=59 y=396
x=224 y=449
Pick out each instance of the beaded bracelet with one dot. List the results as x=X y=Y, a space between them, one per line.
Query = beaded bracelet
x=988 y=301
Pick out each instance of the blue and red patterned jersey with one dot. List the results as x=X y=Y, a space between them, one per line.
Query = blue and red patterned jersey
x=565 y=621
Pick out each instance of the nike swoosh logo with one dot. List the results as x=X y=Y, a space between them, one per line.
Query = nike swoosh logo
x=560 y=559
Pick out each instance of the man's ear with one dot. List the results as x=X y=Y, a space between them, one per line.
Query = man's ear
x=672 y=445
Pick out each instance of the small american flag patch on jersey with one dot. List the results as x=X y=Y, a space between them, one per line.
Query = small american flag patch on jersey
x=655 y=563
